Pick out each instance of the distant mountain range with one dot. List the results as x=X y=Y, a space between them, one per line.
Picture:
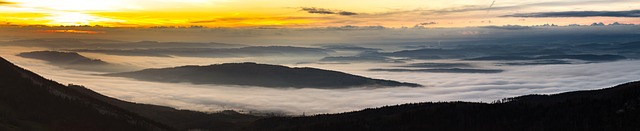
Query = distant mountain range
x=72 y=43
x=73 y=60
x=250 y=51
x=30 y=102
x=253 y=74
x=585 y=57
x=57 y=57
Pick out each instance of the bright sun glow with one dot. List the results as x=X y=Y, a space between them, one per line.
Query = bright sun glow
x=287 y=13
x=74 y=18
x=75 y=5
x=73 y=12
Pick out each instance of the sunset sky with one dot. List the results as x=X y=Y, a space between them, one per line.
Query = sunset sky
x=316 y=13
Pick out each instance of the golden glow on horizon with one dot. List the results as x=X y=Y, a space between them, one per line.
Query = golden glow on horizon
x=71 y=31
x=251 y=13
x=75 y=18
x=74 y=5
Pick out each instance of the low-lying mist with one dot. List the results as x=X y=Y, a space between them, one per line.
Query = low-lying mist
x=454 y=64
x=514 y=81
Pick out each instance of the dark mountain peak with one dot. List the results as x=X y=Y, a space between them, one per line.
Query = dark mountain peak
x=147 y=42
x=7 y=68
x=285 y=49
x=73 y=60
x=245 y=64
x=30 y=102
x=4 y=63
x=61 y=57
x=57 y=53
x=621 y=92
x=254 y=74
x=282 y=47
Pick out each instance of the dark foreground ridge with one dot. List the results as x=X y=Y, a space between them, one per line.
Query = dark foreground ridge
x=252 y=74
x=616 y=109
x=29 y=102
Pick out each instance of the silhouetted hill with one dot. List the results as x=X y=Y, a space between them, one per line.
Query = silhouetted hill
x=349 y=48
x=380 y=59
x=616 y=108
x=30 y=102
x=73 y=60
x=73 y=43
x=57 y=57
x=585 y=57
x=253 y=74
x=502 y=58
x=250 y=51
x=494 y=49
x=537 y=62
x=438 y=65
x=442 y=70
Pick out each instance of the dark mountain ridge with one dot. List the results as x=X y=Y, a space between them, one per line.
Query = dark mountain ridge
x=73 y=43
x=30 y=102
x=249 y=51
x=57 y=57
x=616 y=108
x=73 y=60
x=253 y=74
x=584 y=57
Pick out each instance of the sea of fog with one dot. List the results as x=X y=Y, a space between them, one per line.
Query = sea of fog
x=487 y=87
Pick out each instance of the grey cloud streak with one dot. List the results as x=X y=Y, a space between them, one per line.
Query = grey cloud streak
x=428 y=23
x=471 y=8
x=240 y=19
x=314 y=10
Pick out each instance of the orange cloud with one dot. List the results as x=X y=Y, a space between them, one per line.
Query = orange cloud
x=6 y=3
x=71 y=31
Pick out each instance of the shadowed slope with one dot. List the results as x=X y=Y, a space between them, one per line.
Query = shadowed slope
x=616 y=108
x=30 y=102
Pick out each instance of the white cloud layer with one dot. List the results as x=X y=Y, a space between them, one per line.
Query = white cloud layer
x=515 y=81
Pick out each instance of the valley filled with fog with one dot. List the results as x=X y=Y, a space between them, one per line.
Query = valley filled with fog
x=479 y=64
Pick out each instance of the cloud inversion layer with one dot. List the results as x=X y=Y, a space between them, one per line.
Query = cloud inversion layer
x=630 y=13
